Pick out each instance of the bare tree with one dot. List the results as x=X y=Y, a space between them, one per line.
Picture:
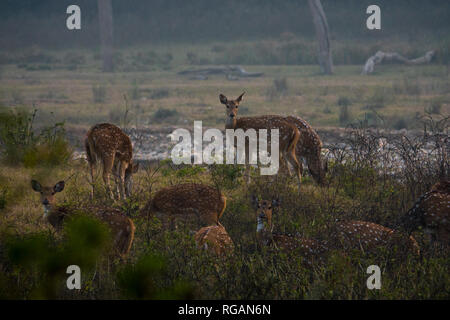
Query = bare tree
x=321 y=26
x=106 y=33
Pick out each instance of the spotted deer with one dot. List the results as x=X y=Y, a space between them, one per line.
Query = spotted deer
x=309 y=148
x=431 y=212
x=369 y=236
x=122 y=228
x=288 y=133
x=345 y=236
x=108 y=144
x=215 y=239
x=191 y=203
x=312 y=251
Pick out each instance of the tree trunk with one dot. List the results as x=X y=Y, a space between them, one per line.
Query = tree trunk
x=321 y=26
x=106 y=33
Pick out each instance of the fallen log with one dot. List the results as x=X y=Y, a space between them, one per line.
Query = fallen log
x=381 y=56
x=228 y=71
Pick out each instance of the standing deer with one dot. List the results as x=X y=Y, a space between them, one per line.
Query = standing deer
x=192 y=203
x=309 y=147
x=289 y=134
x=215 y=239
x=432 y=212
x=121 y=227
x=108 y=144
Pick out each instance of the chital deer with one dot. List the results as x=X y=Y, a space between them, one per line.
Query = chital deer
x=192 y=203
x=369 y=236
x=122 y=228
x=309 y=147
x=288 y=133
x=215 y=239
x=345 y=235
x=312 y=251
x=432 y=212
x=108 y=144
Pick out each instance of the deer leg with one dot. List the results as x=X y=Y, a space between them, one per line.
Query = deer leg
x=92 y=170
x=123 y=167
x=107 y=169
x=290 y=156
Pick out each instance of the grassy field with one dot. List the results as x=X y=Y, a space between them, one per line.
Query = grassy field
x=167 y=264
x=82 y=96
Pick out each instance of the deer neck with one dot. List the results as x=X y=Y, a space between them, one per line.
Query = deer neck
x=264 y=231
x=231 y=123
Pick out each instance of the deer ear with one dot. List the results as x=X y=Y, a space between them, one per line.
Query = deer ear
x=223 y=99
x=36 y=186
x=135 y=167
x=239 y=99
x=276 y=202
x=254 y=201
x=59 y=186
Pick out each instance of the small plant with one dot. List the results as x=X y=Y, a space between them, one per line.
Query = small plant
x=160 y=93
x=435 y=107
x=278 y=89
x=98 y=93
x=344 y=101
x=164 y=114
x=344 y=115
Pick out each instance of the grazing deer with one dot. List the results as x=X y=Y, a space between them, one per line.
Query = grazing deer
x=195 y=203
x=368 y=236
x=121 y=227
x=311 y=250
x=215 y=239
x=309 y=147
x=432 y=212
x=107 y=143
x=288 y=133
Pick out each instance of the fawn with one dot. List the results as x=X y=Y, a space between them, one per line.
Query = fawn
x=288 y=133
x=195 y=203
x=215 y=239
x=432 y=212
x=122 y=228
x=108 y=144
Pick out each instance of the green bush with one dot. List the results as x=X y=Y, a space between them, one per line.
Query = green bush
x=21 y=144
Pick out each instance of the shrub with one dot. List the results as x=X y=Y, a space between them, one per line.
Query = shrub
x=344 y=101
x=159 y=93
x=344 y=115
x=278 y=89
x=164 y=114
x=21 y=145
x=98 y=93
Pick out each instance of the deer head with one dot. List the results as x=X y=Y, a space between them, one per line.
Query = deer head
x=231 y=109
x=131 y=169
x=264 y=211
x=47 y=194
